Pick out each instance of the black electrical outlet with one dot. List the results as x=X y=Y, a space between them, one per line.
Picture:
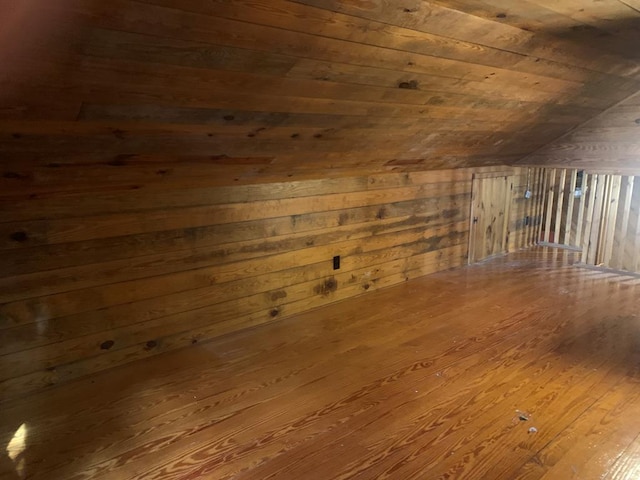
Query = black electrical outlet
x=336 y=262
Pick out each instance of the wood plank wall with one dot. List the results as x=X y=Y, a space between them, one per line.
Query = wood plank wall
x=524 y=212
x=161 y=158
x=607 y=144
x=286 y=85
x=97 y=279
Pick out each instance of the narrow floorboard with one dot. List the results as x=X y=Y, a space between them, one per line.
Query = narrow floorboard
x=523 y=367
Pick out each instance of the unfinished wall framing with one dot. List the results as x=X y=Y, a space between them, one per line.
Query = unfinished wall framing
x=612 y=234
x=596 y=213
x=527 y=207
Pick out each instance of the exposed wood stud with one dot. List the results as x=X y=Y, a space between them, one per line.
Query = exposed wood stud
x=551 y=187
x=587 y=256
x=597 y=220
x=611 y=213
x=561 y=191
x=622 y=244
x=542 y=192
x=635 y=262
x=569 y=229
x=580 y=227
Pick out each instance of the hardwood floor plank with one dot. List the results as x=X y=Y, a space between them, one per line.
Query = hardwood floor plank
x=592 y=437
x=421 y=379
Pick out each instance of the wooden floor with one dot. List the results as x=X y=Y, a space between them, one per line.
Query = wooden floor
x=524 y=367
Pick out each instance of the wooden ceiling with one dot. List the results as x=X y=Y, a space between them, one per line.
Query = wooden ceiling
x=610 y=142
x=317 y=86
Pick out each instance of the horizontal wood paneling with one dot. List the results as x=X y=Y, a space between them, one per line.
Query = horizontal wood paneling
x=303 y=87
x=174 y=170
x=92 y=280
x=608 y=143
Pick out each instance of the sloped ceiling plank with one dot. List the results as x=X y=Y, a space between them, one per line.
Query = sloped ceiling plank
x=609 y=142
x=323 y=85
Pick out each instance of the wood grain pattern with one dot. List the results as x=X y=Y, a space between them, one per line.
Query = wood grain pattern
x=569 y=229
x=92 y=280
x=561 y=194
x=607 y=222
x=607 y=143
x=525 y=214
x=587 y=250
x=551 y=187
x=623 y=247
x=301 y=87
x=426 y=379
x=490 y=211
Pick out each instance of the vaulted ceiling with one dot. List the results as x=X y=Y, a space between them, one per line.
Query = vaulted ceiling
x=609 y=142
x=294 y=86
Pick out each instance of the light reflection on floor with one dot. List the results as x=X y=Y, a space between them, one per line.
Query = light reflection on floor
x=16 y=447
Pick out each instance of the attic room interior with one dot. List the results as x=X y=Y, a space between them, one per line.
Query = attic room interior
x=319 y=239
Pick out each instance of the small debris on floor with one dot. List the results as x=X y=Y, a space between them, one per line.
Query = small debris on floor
x=521 y=416
x=533 y=430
